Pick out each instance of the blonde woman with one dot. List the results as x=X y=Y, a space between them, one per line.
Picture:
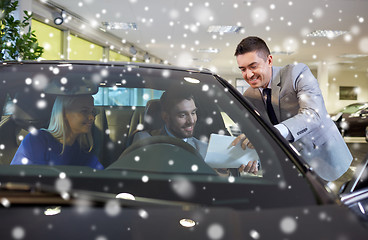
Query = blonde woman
x=68 y=139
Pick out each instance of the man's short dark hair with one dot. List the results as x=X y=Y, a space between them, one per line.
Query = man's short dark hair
x=170 y=98
x=251 y=44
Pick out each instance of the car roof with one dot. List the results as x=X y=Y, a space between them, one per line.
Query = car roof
x=110 y=63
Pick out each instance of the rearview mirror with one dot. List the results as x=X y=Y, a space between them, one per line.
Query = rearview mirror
x=75 y=87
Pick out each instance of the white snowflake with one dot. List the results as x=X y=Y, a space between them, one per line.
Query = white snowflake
x=5 y=202
x=183 y=187
x=18 y=232
x=143 y=213
x=288 y=225
x=112 y=208
x=259 y=15
x=145 y=178
x=215 y=231
x=63 y=185
x=254 y=234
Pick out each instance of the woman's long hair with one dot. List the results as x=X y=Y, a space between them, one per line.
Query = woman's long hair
x=59 y=127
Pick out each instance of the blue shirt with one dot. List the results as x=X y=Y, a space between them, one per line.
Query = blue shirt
x=41 y=148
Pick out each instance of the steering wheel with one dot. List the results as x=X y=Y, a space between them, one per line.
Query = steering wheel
x=162 y=140
x=162 y=154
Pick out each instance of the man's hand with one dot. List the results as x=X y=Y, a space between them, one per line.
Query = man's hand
x=244 y=142
x=251 y=167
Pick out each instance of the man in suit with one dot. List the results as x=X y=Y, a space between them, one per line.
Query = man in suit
x=291 y=99
x=179 y=113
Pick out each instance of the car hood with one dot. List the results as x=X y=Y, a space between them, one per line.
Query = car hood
x=114 y=221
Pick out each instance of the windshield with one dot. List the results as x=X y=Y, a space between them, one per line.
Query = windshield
x=138 y=142
x=353 y=108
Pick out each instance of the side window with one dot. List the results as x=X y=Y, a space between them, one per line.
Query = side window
x=230 y=125
x=237 y=120
x=236 y=153
x=8 y=106
x=118 y=96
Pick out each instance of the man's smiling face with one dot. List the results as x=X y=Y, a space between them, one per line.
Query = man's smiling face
x=256 y=70
x=182 y=118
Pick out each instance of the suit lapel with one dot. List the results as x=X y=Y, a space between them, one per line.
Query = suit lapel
x=276 y=86
x=255 y=97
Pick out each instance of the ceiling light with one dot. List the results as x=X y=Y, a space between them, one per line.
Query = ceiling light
x=249 y=1
x=206 y=60
x=354 y=55
x=346 y=62
x=132 y=50
x=120 y=25
x=58 y=18
x=223 y=29
x=281 y=53
x=208 y=50
x=326 y=33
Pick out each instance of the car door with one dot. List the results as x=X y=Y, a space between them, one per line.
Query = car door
x=357 y=123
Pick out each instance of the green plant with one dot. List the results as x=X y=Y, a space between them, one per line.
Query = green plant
x=18 y=41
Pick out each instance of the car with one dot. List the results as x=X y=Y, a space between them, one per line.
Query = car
x=160 y=187
x=351 y=108
x=352 y=120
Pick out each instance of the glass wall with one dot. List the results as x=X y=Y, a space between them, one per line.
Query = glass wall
x=50 y=39
x=114 y=56
x=114 y=96
x=80 y=49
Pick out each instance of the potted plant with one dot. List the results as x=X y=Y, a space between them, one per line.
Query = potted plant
x=18 y=41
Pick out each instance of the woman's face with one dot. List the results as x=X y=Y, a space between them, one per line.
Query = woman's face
x=80 y=115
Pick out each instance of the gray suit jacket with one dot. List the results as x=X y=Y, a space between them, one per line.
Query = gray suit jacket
x=200 y=146
x=298 y=104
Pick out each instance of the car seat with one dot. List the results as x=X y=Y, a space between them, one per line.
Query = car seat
x=28 y=110
x=152 y=115
x=150 y=120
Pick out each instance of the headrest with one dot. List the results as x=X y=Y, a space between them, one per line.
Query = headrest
x=30 y=109
x=152 y=115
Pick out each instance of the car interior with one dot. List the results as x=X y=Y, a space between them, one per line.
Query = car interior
x=127 y=101
x=113 y=130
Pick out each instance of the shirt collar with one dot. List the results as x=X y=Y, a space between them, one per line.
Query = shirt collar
x=269 y=83
x=172 y=135
x=268 y=86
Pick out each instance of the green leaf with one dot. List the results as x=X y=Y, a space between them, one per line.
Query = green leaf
x=13 y=44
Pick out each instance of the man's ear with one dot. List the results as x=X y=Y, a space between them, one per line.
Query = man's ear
x=270 y=60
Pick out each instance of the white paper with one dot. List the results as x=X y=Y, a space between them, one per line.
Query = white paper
x=220 y=153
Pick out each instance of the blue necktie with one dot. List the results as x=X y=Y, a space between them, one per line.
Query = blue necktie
x=270 y=111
